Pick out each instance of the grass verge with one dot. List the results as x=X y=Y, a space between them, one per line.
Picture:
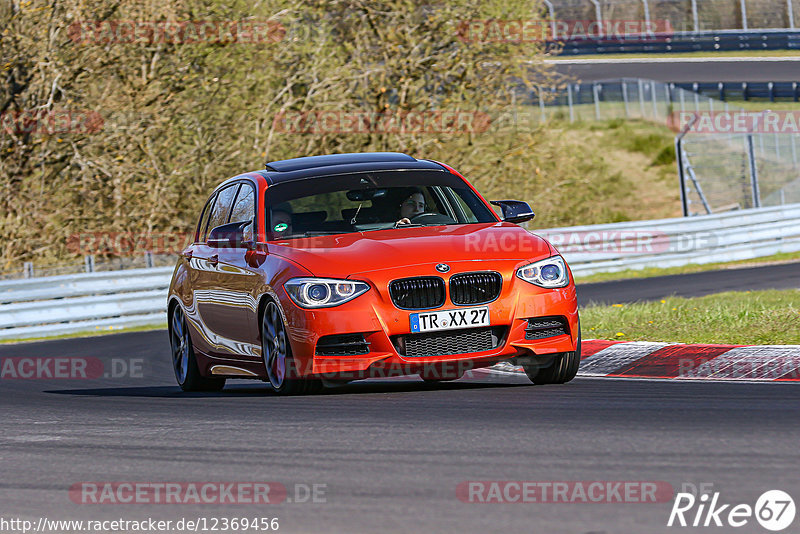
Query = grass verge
x=89 y=333
x=786 y=257
x=735 y=318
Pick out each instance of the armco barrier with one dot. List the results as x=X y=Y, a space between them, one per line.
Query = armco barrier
x=700 y=41
x=66 y=304
x=730 y=236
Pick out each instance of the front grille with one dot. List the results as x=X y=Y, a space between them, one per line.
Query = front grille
x=417 y=293
x=542 y=327
x=475 y=288
x=342 y=345
x=449 y=342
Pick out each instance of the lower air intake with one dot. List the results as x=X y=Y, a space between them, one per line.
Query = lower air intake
x=450 y=342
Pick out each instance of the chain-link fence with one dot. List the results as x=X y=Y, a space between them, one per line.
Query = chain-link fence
x=719 y=171
x=684 y=15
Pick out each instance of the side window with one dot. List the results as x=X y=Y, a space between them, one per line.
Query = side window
x=202 y=226
x=244 y=209
x=222 y=207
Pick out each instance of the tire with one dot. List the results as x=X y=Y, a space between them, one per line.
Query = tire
x=564 y=368
x=184 y=361
x=276 y=352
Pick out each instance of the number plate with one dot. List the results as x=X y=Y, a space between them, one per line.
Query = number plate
x=449 y=319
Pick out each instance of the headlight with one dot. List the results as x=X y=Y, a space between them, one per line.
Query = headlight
x=323 y=292
x=549 y=273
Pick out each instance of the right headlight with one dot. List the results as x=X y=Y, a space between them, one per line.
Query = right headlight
x=323 y=292
x=549 y=273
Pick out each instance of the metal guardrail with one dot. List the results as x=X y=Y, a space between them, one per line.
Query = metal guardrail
x=701 y=41
x=41 y=307
x=729 y=236
x=51 y=306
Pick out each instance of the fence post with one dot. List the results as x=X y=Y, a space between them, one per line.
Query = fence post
x=148 y=259
x=569 y=101
x=599 y=16
x=777 y=146
x=88 y=262
x=696 y=99
x=625 y=97
x=641 y=96
x=646 y=15
x=743 y=6
x=794 y=150
x=679 y=161
x=541 y=104
x=790 y=10
x=652 y=86
x=694 y=16
x=28 y=269
x=682 y=93
x=668 y=90
x=751 y=156
x=595 y=93
x=552 y=13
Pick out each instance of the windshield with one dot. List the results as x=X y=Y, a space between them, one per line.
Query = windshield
x=365 y=202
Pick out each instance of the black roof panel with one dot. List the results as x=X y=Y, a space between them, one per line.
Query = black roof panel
x=310 y=162
x=312 y=166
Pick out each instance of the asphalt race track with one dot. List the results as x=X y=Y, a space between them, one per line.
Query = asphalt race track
x=779 y=276
x=679 y=70
x=391 y=453
x=388 y=454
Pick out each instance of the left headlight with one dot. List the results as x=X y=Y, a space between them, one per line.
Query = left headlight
x=549 y=273
x=323 y=292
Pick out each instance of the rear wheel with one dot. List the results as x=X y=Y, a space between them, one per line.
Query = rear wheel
x=277 y=354
x=564 y=368
x=184 y=362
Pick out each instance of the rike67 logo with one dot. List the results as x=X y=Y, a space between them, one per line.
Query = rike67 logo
x=774 y=510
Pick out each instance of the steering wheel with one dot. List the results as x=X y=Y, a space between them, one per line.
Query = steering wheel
x=431 y=218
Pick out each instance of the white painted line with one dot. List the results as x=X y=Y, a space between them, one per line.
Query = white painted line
x=597 y=61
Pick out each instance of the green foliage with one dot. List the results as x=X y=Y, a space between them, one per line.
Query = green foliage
x=738 y=318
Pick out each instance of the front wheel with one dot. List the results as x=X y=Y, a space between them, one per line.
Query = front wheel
x=184 y=361
x=281 y=371
x=564 y=368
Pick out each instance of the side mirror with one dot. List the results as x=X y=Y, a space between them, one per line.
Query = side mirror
x=229 y=235
x=514 y=211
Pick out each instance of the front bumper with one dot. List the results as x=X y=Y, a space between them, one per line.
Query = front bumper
x=384 y=326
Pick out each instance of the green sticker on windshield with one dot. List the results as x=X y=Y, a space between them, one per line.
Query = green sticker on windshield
x=281 y=227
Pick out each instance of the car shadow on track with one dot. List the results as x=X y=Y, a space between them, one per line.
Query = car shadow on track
x=239 y=390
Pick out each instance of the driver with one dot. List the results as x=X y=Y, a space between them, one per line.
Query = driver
x=413 y=205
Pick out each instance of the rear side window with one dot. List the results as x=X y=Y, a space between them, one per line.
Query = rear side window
x=244 y=209
x=202 y=227
x=222 y=207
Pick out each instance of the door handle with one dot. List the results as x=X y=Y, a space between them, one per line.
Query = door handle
x=213 y=260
